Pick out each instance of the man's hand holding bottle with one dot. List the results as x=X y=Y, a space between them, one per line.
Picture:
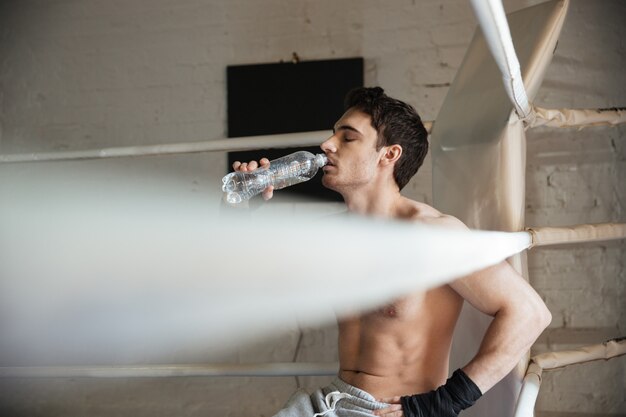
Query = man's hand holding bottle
x=238 y=166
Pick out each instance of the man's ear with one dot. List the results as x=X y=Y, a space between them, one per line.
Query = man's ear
x=392 y=154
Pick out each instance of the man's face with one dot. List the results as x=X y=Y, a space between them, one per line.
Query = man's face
x=351 y=151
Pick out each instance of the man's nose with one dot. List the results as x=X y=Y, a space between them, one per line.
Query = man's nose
x=329 y=145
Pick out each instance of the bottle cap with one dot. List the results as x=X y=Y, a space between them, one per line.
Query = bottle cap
x=321 y=160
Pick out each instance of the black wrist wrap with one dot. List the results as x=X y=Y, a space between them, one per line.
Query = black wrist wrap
x=459 y=393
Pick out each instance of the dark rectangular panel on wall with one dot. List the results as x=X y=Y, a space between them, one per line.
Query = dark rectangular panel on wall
x=266 y=99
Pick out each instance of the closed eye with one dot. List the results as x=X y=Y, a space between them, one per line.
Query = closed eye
x=348 y=130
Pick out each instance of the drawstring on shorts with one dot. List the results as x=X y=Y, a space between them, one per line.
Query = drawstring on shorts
x=331 y=401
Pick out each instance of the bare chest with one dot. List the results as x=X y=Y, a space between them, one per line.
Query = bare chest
x=440 y=304
x=401 y=309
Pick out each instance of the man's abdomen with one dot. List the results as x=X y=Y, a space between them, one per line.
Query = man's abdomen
x=402 y=348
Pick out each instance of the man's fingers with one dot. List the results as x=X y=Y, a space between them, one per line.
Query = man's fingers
x=250 y=166
x=268 y=193
x=390 y=400
x=392 y=411
x=394 y=407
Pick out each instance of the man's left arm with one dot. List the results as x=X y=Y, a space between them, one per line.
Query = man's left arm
x=519 y=318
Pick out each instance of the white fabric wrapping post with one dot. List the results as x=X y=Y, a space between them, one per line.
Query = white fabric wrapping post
x=479 y=163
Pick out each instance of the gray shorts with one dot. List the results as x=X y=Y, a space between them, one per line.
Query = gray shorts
x=336 y=400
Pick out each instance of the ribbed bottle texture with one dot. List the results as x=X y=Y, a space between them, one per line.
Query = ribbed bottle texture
x=283 y=172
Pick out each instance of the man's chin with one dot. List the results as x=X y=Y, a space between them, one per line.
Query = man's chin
x=332 y=185
x=328 y=183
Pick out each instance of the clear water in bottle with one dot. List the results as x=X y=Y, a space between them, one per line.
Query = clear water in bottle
x=283 y=172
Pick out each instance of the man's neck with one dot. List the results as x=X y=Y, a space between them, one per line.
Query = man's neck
x=375 y=201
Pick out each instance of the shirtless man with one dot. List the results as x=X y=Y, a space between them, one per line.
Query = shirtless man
x=394 y=361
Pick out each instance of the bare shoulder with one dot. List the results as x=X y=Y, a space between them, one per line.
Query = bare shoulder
x=423 y=213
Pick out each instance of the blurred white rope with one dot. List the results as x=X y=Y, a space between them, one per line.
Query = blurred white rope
x=95 y=269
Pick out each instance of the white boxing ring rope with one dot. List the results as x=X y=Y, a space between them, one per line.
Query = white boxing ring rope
x=286 y=140
x=275 y=369
x=564 y=118
x=537 y=237
x=157 y=287
x=579 y=118
x=552 y=360
x=230 y=144
x=542 y=236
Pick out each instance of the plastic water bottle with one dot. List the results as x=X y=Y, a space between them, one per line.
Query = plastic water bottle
x=289 y=170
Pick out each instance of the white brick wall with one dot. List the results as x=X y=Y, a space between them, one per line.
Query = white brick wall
x=84 y=74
